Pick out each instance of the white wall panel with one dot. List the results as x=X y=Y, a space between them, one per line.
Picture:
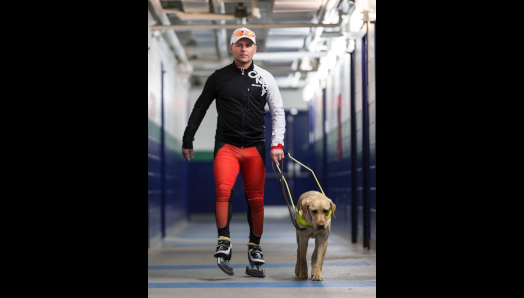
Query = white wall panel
x=371 y=62
x=358 y=75
x=176 y=88
x=153 y=76
x=205 y=135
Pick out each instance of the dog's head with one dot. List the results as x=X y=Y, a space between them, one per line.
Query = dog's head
x=317 y=207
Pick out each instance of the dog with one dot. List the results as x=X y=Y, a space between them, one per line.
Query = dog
x=315 y=208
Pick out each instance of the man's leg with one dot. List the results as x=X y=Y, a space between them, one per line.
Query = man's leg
x=253 y=170
x=226 y=167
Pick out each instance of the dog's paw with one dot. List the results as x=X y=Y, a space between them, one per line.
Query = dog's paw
x=317 y=276
x=302 y=275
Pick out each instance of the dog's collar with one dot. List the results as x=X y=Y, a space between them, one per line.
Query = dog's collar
x=301 y=220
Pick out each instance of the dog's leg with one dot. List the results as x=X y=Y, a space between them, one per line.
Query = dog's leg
x=314 y=258
x=324 y=253
x=321 y=243
x=297 y=266
x=302 y=246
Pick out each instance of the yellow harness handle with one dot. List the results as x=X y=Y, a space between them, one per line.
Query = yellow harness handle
x=291 y=199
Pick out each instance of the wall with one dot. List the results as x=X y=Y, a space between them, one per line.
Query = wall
x=344 y=134
x=332 y=142
x=167 y=171
x=372 y=132
x=338 y=141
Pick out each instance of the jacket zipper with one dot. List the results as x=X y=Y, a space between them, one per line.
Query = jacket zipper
x=242 y=145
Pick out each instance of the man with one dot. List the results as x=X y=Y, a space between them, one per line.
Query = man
x=241 y=90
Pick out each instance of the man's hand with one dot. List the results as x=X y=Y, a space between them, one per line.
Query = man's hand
x=188 y=152
x=276 y=155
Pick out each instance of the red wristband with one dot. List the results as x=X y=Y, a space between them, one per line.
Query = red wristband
x=278 y=147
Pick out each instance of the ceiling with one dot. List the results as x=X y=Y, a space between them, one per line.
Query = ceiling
x=207 y=49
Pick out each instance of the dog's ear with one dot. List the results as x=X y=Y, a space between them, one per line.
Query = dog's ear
x=333 y=207
x=304 y=207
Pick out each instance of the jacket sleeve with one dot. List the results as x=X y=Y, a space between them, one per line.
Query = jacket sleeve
x=199 y=111
x=276 y=108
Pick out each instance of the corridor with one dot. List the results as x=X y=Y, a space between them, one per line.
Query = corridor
x=184 y=265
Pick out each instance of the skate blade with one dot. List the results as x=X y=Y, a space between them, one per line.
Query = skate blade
x=255 y=272
x=224 y=266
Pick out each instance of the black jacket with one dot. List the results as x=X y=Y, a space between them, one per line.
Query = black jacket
x=241 y=96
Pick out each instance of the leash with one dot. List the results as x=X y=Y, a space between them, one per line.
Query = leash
x=293 y=212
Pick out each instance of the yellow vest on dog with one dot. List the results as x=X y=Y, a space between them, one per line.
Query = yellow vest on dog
x=303 y=222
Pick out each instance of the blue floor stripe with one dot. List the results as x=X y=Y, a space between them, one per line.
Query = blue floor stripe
x=311 y=242
x=265 y=251
x=246 y=236
x=305 y=284
x=278 y=265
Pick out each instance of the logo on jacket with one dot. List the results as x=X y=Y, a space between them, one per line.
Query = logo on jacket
x=254 y=74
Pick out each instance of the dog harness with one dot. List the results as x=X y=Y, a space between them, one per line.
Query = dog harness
x=296 y=217
x=301 y=220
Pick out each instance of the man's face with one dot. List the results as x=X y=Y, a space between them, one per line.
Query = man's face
x=243 y=50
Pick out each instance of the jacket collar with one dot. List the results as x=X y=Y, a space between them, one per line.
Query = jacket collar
x=250 y=68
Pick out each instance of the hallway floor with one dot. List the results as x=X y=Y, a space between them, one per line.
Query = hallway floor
x=184 y=266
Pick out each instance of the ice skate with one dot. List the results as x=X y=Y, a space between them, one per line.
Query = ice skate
x=223 y=254
x=256 y=259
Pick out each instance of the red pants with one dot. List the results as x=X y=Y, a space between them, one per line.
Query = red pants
x=251 y=163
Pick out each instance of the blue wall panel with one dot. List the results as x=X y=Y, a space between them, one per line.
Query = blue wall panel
x=154 y=191
x=201 y=190
x=176 y=204
x=342 y=173
x=175 y=187
x=372 y=172
x=360 y=177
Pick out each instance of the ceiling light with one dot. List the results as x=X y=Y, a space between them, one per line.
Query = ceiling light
x=351 y=45
x=294 y=64
x=334 y=32
x=304 y=65
x=295 y=79
x=309 y=91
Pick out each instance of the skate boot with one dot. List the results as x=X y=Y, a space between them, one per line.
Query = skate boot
x=223 y=255
x=256 y=258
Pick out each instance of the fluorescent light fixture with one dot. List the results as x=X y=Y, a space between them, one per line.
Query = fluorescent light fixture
x=351 y=45
x=331 y=34
x=289 y=79
x=309 y=91
x=294 y=65
x=304 y=65
x=338 y=46
x=323 y=71
x=290 y=56
x=295 y=79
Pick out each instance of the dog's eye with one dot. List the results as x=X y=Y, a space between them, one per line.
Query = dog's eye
x=326 y=211
x=315 y=211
